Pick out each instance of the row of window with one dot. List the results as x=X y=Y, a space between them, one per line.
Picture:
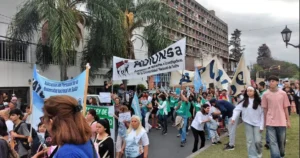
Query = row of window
x=194 y=9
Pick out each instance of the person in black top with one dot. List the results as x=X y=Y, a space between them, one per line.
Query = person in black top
x=104 y=144
x=290 y=93
x=107 y=86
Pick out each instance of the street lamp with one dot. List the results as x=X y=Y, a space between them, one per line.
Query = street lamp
x=286 y=36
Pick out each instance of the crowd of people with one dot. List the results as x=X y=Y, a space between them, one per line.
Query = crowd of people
x=65 y=132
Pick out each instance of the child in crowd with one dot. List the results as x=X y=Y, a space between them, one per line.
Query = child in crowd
x=213 y=126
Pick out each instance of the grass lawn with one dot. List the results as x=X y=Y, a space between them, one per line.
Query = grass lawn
x=291 y=149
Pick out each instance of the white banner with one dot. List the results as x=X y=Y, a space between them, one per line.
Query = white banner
x=241 y=77
x=170 y=59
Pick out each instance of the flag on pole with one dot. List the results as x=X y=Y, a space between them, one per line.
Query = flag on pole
x=241 y=77
x=136 y=106
x=197 y=81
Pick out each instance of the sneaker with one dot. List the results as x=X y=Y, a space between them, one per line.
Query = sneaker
x=178 y=135
x=267 y=146
x=158 y=128
x=214 y=143
x=165 y=133
x=189 y=128
x=182 y=144
x=228 y=147
x=219 y=142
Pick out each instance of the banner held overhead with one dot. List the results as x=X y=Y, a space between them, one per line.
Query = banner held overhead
x=170 y=59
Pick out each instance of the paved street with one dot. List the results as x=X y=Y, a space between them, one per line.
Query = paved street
x=168 y=146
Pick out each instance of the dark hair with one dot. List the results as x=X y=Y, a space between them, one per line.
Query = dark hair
x=204 y=106
x=39 y=125
x=105 y=124
x=191 y=98
x=94 y=114
x=215 y=116
x=272 y=77
x=213 y=101
x=256 y=102
x=69 y=126
x=17 y=112
x=204 y=93
x=94 y=101
x=3 y=127
x=163 y=97
x=262 y=83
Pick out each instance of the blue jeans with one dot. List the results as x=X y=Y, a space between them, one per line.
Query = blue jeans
x=267 y=137
x=277 y=137
x=206 y=127
x=182 y=130
x=254 y=143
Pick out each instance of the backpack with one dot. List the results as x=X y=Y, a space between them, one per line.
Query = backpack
x=11 y=153
x=35 y=139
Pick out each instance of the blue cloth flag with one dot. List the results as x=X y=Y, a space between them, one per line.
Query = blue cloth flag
x=136 y=106
x=197 y=81
x=185 y=78
x=43 y=88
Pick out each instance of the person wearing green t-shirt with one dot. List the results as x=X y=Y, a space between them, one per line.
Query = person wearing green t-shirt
x=183 y=110
x=197 y=105
x=173 y=101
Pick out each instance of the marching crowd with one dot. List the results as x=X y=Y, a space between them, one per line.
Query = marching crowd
x=65 y=132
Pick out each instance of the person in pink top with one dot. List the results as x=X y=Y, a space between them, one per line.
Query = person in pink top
x=275 y=103
x=92 y=118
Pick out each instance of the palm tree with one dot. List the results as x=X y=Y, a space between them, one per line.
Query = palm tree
x=61 y=25
x=146 y=15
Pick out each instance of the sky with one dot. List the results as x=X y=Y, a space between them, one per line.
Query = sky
x=250 y=16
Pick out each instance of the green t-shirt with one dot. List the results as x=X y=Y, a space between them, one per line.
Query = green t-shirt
x=197 y=106
x=173 y=101
x=184 y=109
x=262 y=93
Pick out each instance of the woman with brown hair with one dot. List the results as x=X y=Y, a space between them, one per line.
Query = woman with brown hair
x=67 y=128
x=91 y=119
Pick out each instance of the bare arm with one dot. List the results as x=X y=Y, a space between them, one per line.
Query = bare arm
x=146 y=151
x=265 y=116
x=286 y=112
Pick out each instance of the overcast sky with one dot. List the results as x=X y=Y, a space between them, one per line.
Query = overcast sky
x=247 y=15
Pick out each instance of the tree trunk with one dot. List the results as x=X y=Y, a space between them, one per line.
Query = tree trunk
x=63 y=68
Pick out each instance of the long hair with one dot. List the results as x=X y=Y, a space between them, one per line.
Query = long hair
x=68 y=124
x=256 y=102
x=94 y=114
x=3 y=127
x=139 y=129
x=105 y=124
x=203 y=107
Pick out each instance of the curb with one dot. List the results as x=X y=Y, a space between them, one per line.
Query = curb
x=205 y=147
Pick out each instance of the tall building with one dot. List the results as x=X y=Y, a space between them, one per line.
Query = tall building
x=207 y=35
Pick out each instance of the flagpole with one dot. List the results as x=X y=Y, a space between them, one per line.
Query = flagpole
x=31 y=108
x=87 y=71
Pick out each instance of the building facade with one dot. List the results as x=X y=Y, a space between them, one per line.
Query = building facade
x=206 y=34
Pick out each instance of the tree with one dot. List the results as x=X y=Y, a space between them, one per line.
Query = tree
x=62 y=27
x=264 y=58
x=235 y=42
x=147 y=15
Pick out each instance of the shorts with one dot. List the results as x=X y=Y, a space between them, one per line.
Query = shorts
x=119 y=144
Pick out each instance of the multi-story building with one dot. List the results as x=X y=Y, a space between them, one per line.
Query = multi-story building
x=206 y=34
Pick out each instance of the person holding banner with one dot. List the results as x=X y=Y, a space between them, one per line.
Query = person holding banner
x=136 y=141
x=67 y=127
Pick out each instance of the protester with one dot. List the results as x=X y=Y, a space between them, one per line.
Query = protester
x=226 y=109
x=27 y=114
x=20 y=133
x=198 y=126
x=163 y=113
x=104 y=144
x=91 y=119
x=41 y=131
x=173 y=102
x=297 y=97
x=183 y=114
x=145 y=111
x=154 y=117
x=290 y=93
x=253 y=117
x=261 y=88
x=121 y=132
x=9 y=124
x=275 y=103
x=5 y=150
x=93 y=101
x=67 y=127
x=223 y=95
x=136 y=142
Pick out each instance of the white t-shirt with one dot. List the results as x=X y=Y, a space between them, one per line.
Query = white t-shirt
x=198 y=122
x=10 y=127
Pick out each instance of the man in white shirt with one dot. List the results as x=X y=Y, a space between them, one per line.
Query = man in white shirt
x=10 y=125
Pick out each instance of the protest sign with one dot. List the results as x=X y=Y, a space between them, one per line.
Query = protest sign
x=124 y=116
x=105 y=112
x=43 y=88
x=105 y=97
x=170 y=59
